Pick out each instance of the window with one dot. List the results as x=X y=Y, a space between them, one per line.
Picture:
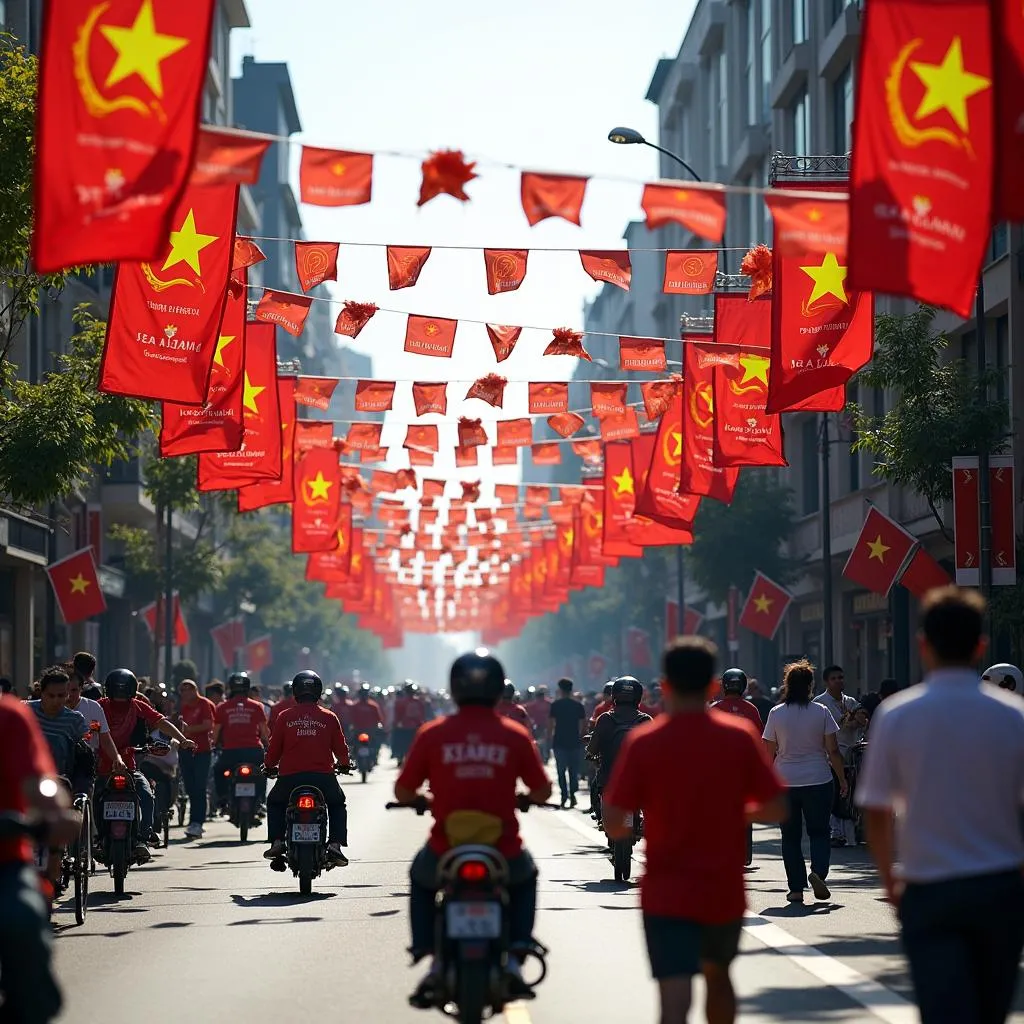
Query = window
x=767 y=66
x=723 y=110
x=1002 y=359
x=842 y=111
x=810 y=465
x=753 y=223
x=711 y=124
x=753 y=114
x=798 y=21
x=999 y=243
x=801 y=114
x=838 y=6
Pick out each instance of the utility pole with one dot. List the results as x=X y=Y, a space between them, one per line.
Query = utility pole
x=984 y=493
x=168 y=596
x=826 y=546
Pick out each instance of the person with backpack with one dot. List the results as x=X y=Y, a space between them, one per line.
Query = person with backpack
x=611 y=728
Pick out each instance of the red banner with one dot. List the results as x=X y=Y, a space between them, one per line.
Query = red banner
x=608 y=267
x=698 y=209
x=690 y=271
x=316 y=262
x=287 y=310
x=642 y=354
x=659 y=498
x=430 y=398
x=430 y=336
x=282 y=489
x=552 y=195
x=505 y=268
x=335 y=177
x=1002 y=493
x=227 y=157
x=966 y=521
x=1008 y=39
x=317 y=500
x=404 y=265
x=548 y=398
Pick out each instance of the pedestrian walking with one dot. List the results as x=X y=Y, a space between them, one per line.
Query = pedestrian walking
x=942 y=788
x=567 y=722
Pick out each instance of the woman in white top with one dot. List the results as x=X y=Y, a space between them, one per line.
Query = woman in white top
x=801 y=738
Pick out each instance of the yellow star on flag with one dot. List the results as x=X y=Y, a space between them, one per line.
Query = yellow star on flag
x=567 y=536
x=878 y=549
x=948 y=86
x=250 y=394
x=319 y=486
x=623 y=483
x=79 y=584
x=814 y=215
x=140 y=49
x=222 y=343
x=187 y=244
x=763 y=603
x=755 y=368
x=828 y=279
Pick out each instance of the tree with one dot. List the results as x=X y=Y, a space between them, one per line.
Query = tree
x=942 y=409
x=732 y=542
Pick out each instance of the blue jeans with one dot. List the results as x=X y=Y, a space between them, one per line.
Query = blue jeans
x=567 y=767
x=813 y=805
x=147 y=803
x=195 y=770
x=29 y=990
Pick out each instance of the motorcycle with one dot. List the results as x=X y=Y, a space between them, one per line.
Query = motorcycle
x=117 y=824
x=163 y=792
x=364 y=755
x=622 y=849
x=243 y=811
x=306 y=833
x=472 y=943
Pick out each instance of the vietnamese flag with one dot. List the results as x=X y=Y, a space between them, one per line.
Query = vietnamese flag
x=430 y=398
x=281 y=490
x=659 y=497
x=317 y=503
x=552 y=195
x=698 y=208
x=165 y=314
x=1008 y=39
x=923 y=151
x=260 y=457
x=619 y=500
x=217 y=425
x=697 y=471
x=690 y=271
x=813 y=226
x=335 y=177
x=258 y=655
x=374 y=395
x=923 y=574
x=120 y=94
x=229 y=636
x=333 y=566
x=316 y=262
x=227 y=156
x=646 y=531
x=490 y=389
x=155 y=618
x=506 y=269
x=765 y=607
x=430 y=336
x=503 y=339
x=645 y=355
x=548 y=397
x=404 y=265
x=76 y=586
x=880 y=554
x=285 y=309
x=608 y=267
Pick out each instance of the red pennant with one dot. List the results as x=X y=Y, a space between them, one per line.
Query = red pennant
x=315 y=392
x=658 y=496
x=552 y=195
x=420 y=435
x=374 y=395
x=619 y=500
x=227 y=157
x=515 y=433
x=502 y=456
x=430 y=336
x=430 y=398
x=608 y=267
x=334 y=177
x=809 y=227
x=566 y=342
x=364 y=437
x=548 y=398
x=698 y=473
x=489 y=389
x=353 y=317
x=282 y=489
x=690 y=272
x=549 y=454
x=657 y=394
x=465 y=457
x=404 y=265
x=284 y=309
x=246 y=254
x=588 y=451
x=1008 y=39
x=642 y=354
x=446 y=172
x=607 y=399
x=418 y=457
x=153 y=616
x=316 y=262
x=923 y=150
x=503 y=340
x=620 y=426
x=165 y=315
x=700 y=209
x=116 y=133
x=313 y=434
x=506 y=269
x=76 y=586
x=565 y=424
x=471 y=432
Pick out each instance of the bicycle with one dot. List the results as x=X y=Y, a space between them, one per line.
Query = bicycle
x=77 y=863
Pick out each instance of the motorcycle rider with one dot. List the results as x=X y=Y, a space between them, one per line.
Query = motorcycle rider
x=304 y=746
x=604 y=705
x=734 y=685
x=472 y=761
x=611 y=729
x=409 y=716
x=365 y=716
x=508 y=708
x=239 y=728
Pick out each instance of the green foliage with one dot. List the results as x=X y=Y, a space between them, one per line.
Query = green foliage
x=732 y=542
x=196 y=566
x=171 y=481
x=941 y=408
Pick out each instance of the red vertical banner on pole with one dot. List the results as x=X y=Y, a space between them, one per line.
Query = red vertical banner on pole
x=733 y=643
x=1004 y=532
x=966 y=520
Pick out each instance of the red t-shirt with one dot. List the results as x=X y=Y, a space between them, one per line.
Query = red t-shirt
x=200 y=710
x=24 y=754
x=121 y=717
x=651 y=709
x=539 y=710
x=281 y=705
x=694 y=814
x=365 y=714
x=472 y=760
x=605 y=705
x=306 y=738
x=515 y=713
x=240 y=719
x=409 y=713
x=738 y=706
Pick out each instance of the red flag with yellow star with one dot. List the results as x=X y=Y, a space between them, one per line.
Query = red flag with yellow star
x=335 y=177
x=882 y=551
x=76 y=586
x=317 y=501
x=765 y=607
x=619 y=499
x=217 y=425
x=921 y=186
x=430 y=335
x=333 y=566
x=258 y=654
x=121 y=84
x=260 y=456
x=659 y=498
x=282 y=490
x=165 y=315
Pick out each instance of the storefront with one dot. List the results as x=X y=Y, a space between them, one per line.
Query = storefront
x=869 y=642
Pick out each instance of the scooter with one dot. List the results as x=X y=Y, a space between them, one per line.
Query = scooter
x=243 y=810
x=117 y=821
x=364 y=755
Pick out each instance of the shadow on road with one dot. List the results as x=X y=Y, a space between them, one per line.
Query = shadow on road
x=280 y=899
x=384 y=913
x=172 y=924
x=800 y=910
x=101 y=899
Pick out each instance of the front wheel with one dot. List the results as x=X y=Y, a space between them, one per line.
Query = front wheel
x=622 y=860
x=473 y=991
x=306 y=868
x=363 y=773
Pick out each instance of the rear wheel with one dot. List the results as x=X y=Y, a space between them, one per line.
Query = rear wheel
x=622 y=860
x=473 y=995
x=119 y=866
x=167 y=829
x=243 y=826
x=363 y=773
x=82 y=852
x=306 y=868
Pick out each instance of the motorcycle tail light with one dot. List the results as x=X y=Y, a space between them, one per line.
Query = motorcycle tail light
x=473 y=871
x=245 y=770
x=119 y=782
x=364 y=737
x=306 y=803
x=227 y=773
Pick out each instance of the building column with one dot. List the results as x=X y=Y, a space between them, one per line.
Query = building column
x=24 y=626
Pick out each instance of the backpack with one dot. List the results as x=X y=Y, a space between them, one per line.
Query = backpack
x=611 y=749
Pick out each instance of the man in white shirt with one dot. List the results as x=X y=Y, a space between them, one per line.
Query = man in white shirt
x=841 y=706
x=947 y=758
x=95 y=718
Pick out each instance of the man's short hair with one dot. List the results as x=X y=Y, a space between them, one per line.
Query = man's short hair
x=84 y=664
x=54 y=676
x=831 y=670
x=952 y=621
x=887 y=687
x=689 y=664
x=565 y=685
x=215 y=687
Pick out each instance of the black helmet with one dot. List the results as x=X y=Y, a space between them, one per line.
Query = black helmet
x=734 y=681
x=286 y=690
x=607 y=691
x=307 y=687
x=121 y=684
x=364 y=691
x=510 y=690
x=627 y=690
x=239 y=684
x=477 y=678
x=409 y=688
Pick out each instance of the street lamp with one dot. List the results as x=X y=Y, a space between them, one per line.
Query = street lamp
x=631 y=137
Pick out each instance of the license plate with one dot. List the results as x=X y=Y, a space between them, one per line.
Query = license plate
x=364 y=751
x=118 y=810
x=474 y=920
x=245 y=789
x=305 y=833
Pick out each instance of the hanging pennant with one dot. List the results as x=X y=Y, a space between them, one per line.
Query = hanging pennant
x=700 y=209
x=404 y=265
x=608 y=267
x=690 y=272
x=446 y=172
x=506 y=269
x=642 y=355
x=430 y=398
x=503 y=340
x=430 y=336
x=489 y=389
x=316 y=262
x=335 y=177
x=286 y=310
x=315 y=392
x=552 y=195
x=374 y=395
x=353 y=317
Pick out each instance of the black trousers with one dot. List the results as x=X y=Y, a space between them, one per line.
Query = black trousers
x=327 y=783
x=963 y=939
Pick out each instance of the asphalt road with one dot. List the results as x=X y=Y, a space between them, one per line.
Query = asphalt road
x=207 y=932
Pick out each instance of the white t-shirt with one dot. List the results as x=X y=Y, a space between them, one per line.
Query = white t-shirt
x=947 y=756
x=850 y=734
x=800 y=731
x=92 y=712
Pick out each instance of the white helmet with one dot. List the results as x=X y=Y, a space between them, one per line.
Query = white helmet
x=1005 y=676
